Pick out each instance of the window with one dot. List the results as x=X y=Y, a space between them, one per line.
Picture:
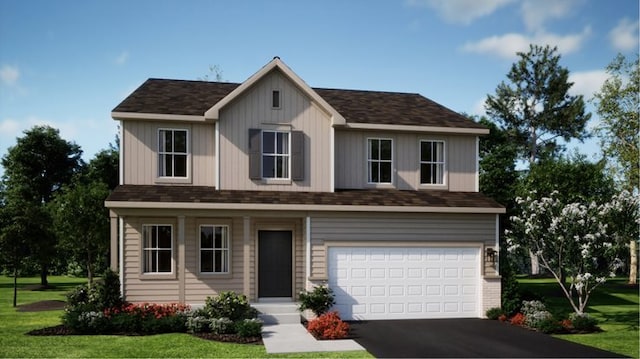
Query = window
x=379 y=160
x=214 y=249
x=157 y=248
x=431 y=162
x=275 y=154
x=275 y=98
x=172 y=153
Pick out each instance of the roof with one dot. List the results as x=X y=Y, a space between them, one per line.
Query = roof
x=181 y=97
x=160 y=196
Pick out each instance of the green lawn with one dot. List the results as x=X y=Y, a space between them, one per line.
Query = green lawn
x=614 y=304
x=14 y=343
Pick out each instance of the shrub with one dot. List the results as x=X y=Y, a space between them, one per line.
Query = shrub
x=517 y=319
x=108 y=291
x=494 y=313
x=502 y=318
x=319 y=300
x=532 y=306
x=221 y=326
x=549 y=326
x=533 y=320
x=328 y=326
x=510 y=298
x=197 y=322
x=584 y=322
x=249 y=327
x=229 y=305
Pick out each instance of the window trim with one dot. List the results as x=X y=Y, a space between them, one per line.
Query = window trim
x=444 y=164
x=369 y=161
x=228 y=249
x=273 y=91
x=173 y=179
x=143 y=251
x=277 y=180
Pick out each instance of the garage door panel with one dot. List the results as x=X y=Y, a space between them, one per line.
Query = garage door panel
x=398 y=283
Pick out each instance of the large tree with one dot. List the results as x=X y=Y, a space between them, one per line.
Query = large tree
x=535 y=106
x=37 y=167
x=618 y=105
x=82 y=222
x=104 y=167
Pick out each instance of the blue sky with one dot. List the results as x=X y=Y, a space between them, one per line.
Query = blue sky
x=68 y=63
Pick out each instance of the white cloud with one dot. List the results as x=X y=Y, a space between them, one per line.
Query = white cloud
x=9 y=127
x=9 y=74
x=122 y=58
x=507 y=45
x=586 y=83
x=461 y=11
x=536 y=12
x=624 y=36
x=478 y=107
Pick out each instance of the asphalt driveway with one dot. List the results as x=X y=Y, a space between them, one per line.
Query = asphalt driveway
x=463 y=338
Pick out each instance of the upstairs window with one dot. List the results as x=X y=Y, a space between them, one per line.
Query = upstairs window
x=275 y=154
x=214 y=249
x=275 y=99
x=432 y=162
x=379 y=160
x=157 y=242
x=172 y=153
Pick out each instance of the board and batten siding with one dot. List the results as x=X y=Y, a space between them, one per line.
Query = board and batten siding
x=432 y=228
x=297 y=113
x=140 y=148
x=351 y=159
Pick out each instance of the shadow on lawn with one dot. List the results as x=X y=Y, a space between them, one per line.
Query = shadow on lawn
x=58 y=286
x=630 y=319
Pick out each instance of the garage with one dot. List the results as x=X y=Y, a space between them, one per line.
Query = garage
x=405 y=282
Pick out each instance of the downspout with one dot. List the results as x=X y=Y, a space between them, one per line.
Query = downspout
x=308 y=249
x=497 y=245
x=332 y=159
x=217 y=155
x=121 y=254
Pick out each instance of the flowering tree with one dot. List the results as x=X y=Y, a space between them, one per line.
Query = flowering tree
x=574 y=239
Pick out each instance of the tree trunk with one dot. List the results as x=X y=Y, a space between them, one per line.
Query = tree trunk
x=535 y=266
x=15 y=286
x=633 y=262
x=533 y=153
x=89 y=269
x=43 y=276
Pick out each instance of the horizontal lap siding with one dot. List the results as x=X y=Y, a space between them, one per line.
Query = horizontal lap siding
x=439 y=228
x=462 y=163
x=253 y=110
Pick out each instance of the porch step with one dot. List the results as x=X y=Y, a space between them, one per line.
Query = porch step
x=278 y=313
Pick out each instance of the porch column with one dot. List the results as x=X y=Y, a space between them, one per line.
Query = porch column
x=181 y=260
x=113 y=241
x=246 y=256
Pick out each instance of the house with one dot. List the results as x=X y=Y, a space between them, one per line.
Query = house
x=269 y=187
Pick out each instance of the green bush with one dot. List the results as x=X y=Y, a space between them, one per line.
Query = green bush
x=511 y=297
x=197 y=322
x=549 y=326
x=229 y=305
x=222 y=326
x=108 y=291
x=249 y=328
x=319 y=300
x=583 y=322
x=494 y=313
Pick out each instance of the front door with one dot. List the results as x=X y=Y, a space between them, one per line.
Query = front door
x=274 y=264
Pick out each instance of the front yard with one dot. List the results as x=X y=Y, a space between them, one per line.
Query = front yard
x=614 y=304
x=14 y=343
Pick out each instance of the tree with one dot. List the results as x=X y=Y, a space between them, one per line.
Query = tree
x=215 y=74
x=82 y=222
x=36 y=168
x=104 y=167
x=618 y=105
x=571 y=238
x=536 y=108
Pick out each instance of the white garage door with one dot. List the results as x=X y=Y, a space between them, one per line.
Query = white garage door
x=405 y=283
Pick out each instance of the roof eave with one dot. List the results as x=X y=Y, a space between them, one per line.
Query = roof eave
x=119 y=115
x=412 y=128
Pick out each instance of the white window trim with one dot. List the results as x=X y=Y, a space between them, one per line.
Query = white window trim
x=276 y=180
x=368 y=161
x=279 y=99
x=229 y=255
x=173 y=179
x=445 y=173
x=144 y=249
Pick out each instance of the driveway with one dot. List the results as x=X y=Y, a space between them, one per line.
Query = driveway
x=463 y=338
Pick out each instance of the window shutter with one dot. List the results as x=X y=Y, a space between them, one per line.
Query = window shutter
x=255 y=153
x=297 y=155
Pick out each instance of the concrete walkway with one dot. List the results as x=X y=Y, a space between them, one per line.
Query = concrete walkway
x=294 y=338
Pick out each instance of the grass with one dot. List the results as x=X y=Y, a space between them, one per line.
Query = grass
x=614 y=304
x=15 y=344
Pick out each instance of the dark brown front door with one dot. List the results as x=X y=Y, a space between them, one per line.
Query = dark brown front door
x=274 y=264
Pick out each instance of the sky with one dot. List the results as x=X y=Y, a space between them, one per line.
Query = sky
x=68 y=63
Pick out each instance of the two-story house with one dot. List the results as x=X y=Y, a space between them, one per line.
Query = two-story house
x=269 y=187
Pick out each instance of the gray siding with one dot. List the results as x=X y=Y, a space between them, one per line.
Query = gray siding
x=253 y=110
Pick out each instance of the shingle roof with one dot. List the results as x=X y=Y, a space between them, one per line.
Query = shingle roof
x=180 y=97
x=369 y=197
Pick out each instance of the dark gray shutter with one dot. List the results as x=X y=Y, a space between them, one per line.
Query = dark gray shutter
x=255 y=153
x=297 y=155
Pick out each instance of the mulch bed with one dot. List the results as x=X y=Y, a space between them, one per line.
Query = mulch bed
x=63 y=330
x=42 y=306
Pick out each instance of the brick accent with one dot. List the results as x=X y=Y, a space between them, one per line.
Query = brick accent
x=491 y=293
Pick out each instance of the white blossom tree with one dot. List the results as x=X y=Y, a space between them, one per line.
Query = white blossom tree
x=575 y=239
